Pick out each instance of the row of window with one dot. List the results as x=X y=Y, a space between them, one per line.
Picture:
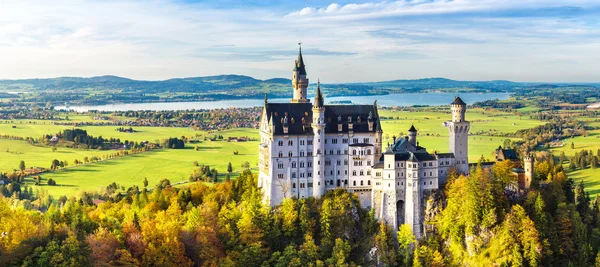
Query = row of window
x=333 y=141
x=362 y=173
x=291 y=142
x=303 y=185
x=402 y=183
x=345 y=182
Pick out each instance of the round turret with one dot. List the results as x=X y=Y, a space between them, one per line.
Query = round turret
x=528 y=167
x=459 y=108
x=412 y=135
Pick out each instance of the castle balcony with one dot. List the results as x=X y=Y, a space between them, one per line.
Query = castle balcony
x=360 y=188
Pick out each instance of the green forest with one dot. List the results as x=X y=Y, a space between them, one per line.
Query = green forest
x=472 y=222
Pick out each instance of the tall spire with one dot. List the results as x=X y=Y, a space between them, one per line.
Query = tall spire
x=266 y=99
x=318 y=97
x=300 y=67
x=299 y=80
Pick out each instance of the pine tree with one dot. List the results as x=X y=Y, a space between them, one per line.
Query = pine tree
x=22 y=165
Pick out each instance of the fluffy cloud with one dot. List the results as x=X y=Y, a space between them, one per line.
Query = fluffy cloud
x=531 y=40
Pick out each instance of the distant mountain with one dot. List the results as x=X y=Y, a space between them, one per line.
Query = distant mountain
x=443 y=83
x=109 y=89
x=212 y=84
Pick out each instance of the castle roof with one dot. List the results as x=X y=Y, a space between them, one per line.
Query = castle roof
x=458 y=101
x=302 y=116
x=299 y=66
x=412 y=128
x=416 y=156
x=318 y=97
x=378 y=122
x=506 y=154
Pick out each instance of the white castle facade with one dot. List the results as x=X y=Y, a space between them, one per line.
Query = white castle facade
x=308 y=148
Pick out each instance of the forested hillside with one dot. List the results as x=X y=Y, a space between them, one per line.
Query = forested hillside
x=473 y=222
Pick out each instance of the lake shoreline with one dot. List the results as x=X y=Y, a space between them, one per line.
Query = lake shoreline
x=389 y=100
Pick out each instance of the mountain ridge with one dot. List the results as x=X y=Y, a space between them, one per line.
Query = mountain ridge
x=114 y=89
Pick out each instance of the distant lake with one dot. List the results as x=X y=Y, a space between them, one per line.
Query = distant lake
x=431 y=99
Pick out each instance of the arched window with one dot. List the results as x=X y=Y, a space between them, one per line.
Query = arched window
x=293 y=175
x=301 y=164
x=280 y=154
x=294 y=164
x=368 y=151
x=353 y=173
x=369 y=182
x=290 y=154
x=361 y=182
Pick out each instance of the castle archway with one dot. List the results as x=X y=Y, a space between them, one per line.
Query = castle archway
x=400 y=212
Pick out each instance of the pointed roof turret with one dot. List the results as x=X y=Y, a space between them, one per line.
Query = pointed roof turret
x=318 y=97
x=271 y=120
x=458 y=101
x=300 y=67
x=412 y=128
x=378 y=127
x=266 y=100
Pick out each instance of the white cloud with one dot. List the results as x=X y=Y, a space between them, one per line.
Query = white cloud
x=364 y=41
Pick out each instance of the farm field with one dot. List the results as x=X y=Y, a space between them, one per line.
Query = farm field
x=173 y=164
x=590 y=142
x=434 y=137
x=176 y=165
x=13 y=151
x=590 y=178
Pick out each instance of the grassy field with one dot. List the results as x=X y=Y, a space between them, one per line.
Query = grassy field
x=590 y=142
x=176 y=165
x=13 y=151
x=590 y=177
x=434 y=136
x=173 y=164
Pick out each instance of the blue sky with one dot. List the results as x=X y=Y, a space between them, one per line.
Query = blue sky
x=343 y=41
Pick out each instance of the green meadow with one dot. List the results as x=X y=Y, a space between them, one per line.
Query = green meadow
x=13 y=151
x=434 y=136
x=173 y=164
x=589 y=176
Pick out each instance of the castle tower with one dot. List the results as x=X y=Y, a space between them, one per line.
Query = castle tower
x=299 y=80
x=318 y=126
x=458 y=128
x=412 y=135
x=378 y=131
x=413 y=196
x=528 y=163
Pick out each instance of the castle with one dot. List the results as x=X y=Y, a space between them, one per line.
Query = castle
x=308 y=148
